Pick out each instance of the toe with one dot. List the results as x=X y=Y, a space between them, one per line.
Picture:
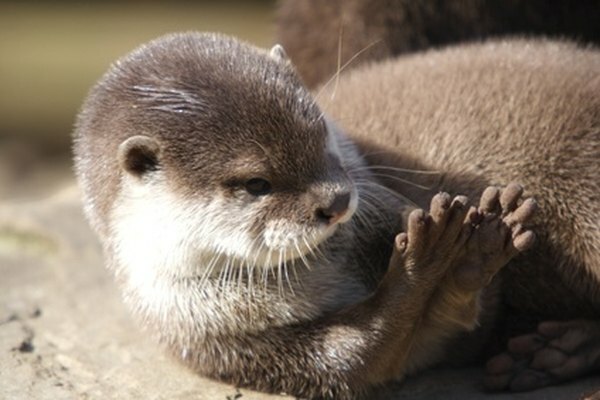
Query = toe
x=573 y=367
x=439 y=213
x=548 y=358
x=571 y=336
x=552 y=329
x=526 y=344
x=440 y=204
x=417 y=231
x=398 y=258
x=457 y=213
x=522 y=214
x=474 y=217
x=471 y=219
x=510 y=196
x=401 y=242
x=521 y=243
x=570 y=341
x=489 y=200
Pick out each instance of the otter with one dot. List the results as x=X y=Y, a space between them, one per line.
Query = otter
x=321 y=36
x=248 y=232
x=482 y=114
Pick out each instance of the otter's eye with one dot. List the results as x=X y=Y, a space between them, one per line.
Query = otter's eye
x=258 y=187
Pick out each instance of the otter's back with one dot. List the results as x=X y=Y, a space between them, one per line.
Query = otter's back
x=525 y=111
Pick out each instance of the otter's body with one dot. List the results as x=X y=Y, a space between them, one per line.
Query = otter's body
x=320 y=36
x=485 y=114
x=251 y=235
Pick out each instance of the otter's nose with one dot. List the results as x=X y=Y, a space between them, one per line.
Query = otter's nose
x=336 y=210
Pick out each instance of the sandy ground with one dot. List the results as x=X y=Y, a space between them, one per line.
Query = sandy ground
x=64 y=333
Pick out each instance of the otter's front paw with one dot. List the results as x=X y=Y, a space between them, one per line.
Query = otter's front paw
x=432 y=240
x=498 y=235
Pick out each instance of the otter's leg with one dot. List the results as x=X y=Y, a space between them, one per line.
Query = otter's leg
x=343 y=354
x=497 y=236
x=556 y=352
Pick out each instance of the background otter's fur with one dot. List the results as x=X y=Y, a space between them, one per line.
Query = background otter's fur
x=526 y=111
x=311 y=30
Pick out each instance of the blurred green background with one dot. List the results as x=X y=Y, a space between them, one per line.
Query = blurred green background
x=51 y=53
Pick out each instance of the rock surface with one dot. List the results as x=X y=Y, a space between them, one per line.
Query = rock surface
x=64 y=333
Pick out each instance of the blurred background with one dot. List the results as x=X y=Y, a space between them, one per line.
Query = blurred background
x=51 y=53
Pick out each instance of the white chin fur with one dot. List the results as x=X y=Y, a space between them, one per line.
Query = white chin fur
x=156 y=233
x=288 y=240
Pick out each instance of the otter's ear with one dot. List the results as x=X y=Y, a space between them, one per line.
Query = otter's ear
x=139 y=155
x=278 y=53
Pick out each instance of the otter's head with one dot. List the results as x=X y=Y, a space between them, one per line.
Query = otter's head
x=198 y=144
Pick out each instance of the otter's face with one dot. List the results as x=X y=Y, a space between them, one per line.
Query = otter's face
x=257 y=205
x=240 y=163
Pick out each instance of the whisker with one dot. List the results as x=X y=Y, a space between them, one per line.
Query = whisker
x=366 y=183
x=398 y=179
x=311 y=251
x=209 y=269
x=223 y=273
x=337 y=74
x=317 y=248
x=249 y=265
x=243 y=267
x=285 y=271
x=343 y=67
x=301 y=254
x=279 y=275
x=364 y=217
x=339 y=61
x=395 y=169
x=369 y=204
x=302 y=258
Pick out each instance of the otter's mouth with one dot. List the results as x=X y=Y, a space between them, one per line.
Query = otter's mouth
x=285 y=241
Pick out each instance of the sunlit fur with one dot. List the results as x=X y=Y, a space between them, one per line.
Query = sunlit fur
x=202 y=262
x=256 y=290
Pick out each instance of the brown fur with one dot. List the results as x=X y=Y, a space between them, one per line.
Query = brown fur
x=191 y=117
x=169 y=118
x=486 y=114
x=310 y=30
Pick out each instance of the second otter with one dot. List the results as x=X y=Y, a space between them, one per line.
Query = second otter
x=485 y=114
